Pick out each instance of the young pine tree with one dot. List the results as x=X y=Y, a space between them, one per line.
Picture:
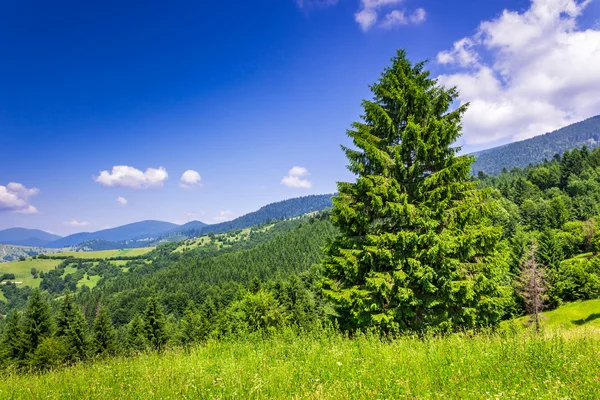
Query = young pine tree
x=154 y=325
x=136 y=339
x=417 y=248
x=193 y=328
x=13 y=345
x=104 y=334
x=65 y=315
x=77 y=338
x=37 y=322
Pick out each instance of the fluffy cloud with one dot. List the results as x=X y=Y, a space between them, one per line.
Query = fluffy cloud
x=223 y=216
x=368 y=15
x=296 y=178
x=128 y=177
x=122 y=201
x=398 y=18
x=14 y=198
x=526 y=73
x=75 y=223
x=189 y=179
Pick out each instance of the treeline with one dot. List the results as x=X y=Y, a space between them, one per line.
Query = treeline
x=38 y=338
x=555 y=204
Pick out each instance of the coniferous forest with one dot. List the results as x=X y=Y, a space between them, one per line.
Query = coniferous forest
x=418 y=262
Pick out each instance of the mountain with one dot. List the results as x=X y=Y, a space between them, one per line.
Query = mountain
x=280 y=210
x=26 y=237
x=135 y=231
x=535 y=150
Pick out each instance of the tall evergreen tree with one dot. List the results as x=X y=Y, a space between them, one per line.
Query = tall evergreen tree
x=13 y=339
x=417 y=248
x=136 y=339
x=193 y=328
x=154 y=325
x=104 y=334
x=77 y=338
x=65 y=315
x=37 y=323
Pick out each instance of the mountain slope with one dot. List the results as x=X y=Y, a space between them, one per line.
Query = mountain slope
x=536 y=149
x=26 y=237
x=280 y=210
x=118 y=234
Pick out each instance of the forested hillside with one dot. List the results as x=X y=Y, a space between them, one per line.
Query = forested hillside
x=536 y=149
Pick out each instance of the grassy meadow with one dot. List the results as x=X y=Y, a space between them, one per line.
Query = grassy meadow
x=22 y=270
x=106 y=253
x=330 y=366
x=570 y=315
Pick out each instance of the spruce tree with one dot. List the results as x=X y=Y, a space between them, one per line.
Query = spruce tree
x=154 y=325
x=13 y=345
x=76 y=336
x=65 y=315
x=417 y=249
x=193 y=328
x=136 y=339
x=37 y=323
x=104 y=334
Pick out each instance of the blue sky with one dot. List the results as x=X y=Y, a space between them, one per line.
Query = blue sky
x=242 y=92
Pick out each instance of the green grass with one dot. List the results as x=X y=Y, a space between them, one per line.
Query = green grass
x=570 y=315
x=105 y=253
x=559 y=366
x=91 y=283
x=220 y=239
x=22 y=270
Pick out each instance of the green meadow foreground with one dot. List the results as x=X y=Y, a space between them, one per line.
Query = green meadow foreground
x=562 y=365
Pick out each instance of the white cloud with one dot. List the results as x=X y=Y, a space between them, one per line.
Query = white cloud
x=122 y=201
x=75 y=223
x=296 y=178
x=223 y=216
x=398 y=18
x=526 y=73
x=128 y=177
x=14 y=198
x=369 y=10
x=189 y=179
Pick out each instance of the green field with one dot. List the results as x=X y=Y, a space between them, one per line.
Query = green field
x=223 y=240
x=22 y=270
x=330 y=366
x=568 y=316
x=91 y=283
x=106 y=253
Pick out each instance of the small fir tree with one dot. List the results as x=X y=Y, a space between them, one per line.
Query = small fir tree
x=13 y=344
x=136 y=340
x=154 y=325
x=104 y=334
x=37 y=323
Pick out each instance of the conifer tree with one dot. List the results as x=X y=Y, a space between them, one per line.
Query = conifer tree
x=65 y=315
x=13 y=339
x=76 y=336
x=37 y=323
x=136 y=339
x=193 y=328
x=417 y=249
x=550 y=252
x=154 y=325
x=104 y=334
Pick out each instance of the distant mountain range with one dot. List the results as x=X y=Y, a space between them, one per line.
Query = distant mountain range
x=143 y=229
x=149 y=233
x=535 y=150
x=26 y=237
